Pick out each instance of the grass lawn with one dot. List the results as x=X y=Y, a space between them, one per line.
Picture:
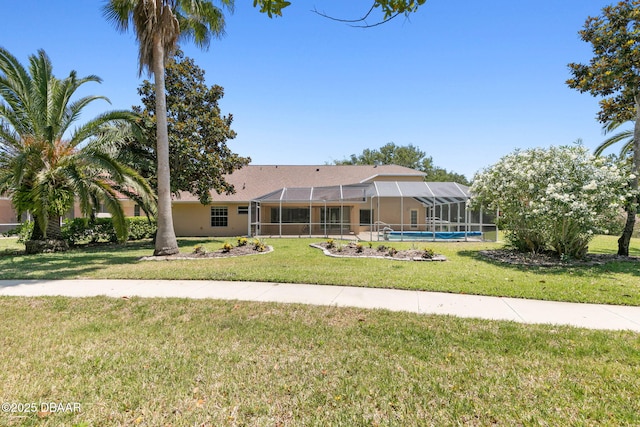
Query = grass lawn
x=174 y=362
x=294 y=261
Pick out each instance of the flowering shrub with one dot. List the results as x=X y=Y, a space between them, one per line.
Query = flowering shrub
x=555 y=198
x=428 y=253
x=259 y=245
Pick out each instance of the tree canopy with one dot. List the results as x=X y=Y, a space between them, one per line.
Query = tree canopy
x=613 y=74
x=198 y=132
x=388 y=8
x=408 y=156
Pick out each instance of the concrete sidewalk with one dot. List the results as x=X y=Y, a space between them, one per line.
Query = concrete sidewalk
x=593 y=316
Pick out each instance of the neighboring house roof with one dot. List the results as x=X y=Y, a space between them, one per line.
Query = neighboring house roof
x=253 y=181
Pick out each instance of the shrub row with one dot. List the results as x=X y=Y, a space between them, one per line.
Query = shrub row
x=85 y=230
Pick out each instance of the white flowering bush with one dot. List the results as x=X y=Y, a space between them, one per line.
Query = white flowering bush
x=556 y=198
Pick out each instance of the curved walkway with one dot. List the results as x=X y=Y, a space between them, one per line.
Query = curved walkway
x=593 y=316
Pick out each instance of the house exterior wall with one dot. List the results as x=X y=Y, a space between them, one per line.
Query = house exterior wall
x=396 y=213
x=8 y=216
x=194 y=219
x=128 y=206
x=315 y=225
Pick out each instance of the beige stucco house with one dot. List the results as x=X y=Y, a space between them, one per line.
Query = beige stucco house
x=325 y=200
x=300 y=200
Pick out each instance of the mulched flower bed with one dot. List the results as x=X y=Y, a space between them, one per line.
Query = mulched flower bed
x=220 y=253
x=355 y=250
x=550 y=259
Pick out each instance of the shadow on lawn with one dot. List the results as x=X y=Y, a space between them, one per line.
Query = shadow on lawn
x=576 y=269
x=83 y=259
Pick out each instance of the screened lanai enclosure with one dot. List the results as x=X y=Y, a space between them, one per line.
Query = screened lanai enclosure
x=382 y=210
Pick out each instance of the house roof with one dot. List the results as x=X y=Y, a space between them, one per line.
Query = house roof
x=253 y=181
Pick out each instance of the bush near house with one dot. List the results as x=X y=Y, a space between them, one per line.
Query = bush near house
x=553 y=199
x=86 y=230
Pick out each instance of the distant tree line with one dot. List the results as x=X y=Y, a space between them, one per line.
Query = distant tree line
x=408 y=156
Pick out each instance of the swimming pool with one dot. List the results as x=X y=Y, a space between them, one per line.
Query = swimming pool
x=430 y=235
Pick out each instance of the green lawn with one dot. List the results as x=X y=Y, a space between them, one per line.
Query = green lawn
x=294 y=261
x=175 y=362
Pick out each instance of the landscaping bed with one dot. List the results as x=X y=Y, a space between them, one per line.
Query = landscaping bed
x=551 y=259
x=227 y=250
x=369 y=250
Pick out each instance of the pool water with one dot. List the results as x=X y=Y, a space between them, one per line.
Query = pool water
x=430 y=235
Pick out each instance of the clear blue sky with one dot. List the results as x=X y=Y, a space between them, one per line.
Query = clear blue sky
x=466 y=81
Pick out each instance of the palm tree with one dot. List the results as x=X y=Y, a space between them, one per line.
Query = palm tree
x=158 y=25
x=44 y=165
x=627 y=139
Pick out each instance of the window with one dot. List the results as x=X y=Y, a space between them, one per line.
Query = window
x=290 y=215
x=365 y=216
x=136 y=210
x=243 y=210
x=219 y=216
x=413 y=214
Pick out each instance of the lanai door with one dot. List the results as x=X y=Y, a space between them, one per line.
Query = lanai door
x=333 y=220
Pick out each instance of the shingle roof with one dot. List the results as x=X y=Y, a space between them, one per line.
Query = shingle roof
x=253 y=181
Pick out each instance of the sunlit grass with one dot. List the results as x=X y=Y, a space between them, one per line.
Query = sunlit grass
x=294 y=261
x=158 y=362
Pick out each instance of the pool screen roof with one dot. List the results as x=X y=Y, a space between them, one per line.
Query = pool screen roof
x=429 y=193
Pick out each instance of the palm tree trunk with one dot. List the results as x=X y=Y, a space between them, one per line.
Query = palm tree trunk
x=632 y=207
x=37 y=233
x=53 y=242
x=54 y=231
x=166 y=243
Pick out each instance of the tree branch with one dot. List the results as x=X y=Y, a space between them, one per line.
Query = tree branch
x=353 y=22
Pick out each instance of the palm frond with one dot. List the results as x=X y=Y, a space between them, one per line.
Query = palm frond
x=625 y=136
x=615 y=139
x=40 y=170
x=95 y=126
x=119 y=13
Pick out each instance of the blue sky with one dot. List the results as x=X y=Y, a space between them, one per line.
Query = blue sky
x=466 y=81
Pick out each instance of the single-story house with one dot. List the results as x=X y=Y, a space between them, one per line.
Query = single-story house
x=329 y=200
x=374 y=201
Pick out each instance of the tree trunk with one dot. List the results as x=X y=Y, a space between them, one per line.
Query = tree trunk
x=54 y=231
x=52 y=242
x=627 y=232
x=632 y=207
x=37 y=233
x=166 y=243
